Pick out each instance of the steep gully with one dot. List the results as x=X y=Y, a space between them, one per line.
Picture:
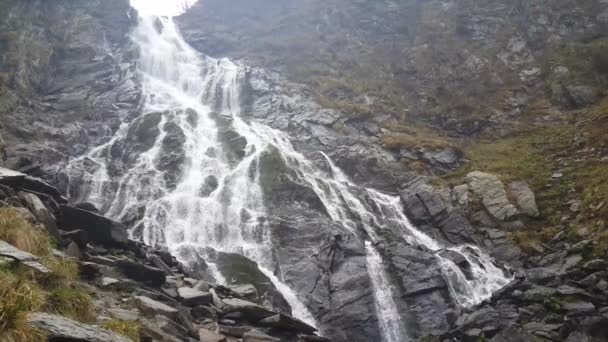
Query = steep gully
x=207 y=196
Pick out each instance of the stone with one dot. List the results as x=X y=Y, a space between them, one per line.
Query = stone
x=250 y=310
x=137 y=271
x=60 y=328
x=288 y=323
x=524 y=197
x=192 y=297
x=125 y=315
x=40 y=211
x=98 y=228
x=202 y=311
x=258 y=336
x=152 y=307
x=513 y=334
x=578 y=308
x=24 y=258
x=246 y=291
x=209 y=336
x=493 y=195
x=73 y=250
x=582 y=95
x=18 y=180
x=158 y=262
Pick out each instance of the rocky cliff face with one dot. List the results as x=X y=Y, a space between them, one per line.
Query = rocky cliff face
x=68 y=77
x=388 y=91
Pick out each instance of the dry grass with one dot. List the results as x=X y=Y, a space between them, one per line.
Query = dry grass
x=128 y=329
x=18 y=297
x=63 y=271
x=20 y=233
x=70 y=302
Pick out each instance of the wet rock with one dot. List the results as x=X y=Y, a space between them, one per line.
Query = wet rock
x=137 y=271
x=98 y=228
x=249 y=310
x=18 y=180
x=288 y=323
x=524 y=197
x=209 y=186
x=513 y=334
x=246 y=291
x=62 y=329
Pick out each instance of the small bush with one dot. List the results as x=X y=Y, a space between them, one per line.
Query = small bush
x=129 y=329
x=20 y=233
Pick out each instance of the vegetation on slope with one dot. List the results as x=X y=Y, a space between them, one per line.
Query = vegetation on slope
x=22 y=291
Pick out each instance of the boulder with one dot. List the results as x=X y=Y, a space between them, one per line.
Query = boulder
x=24 y=258
x=524 y=197
x=288 y=323
x=513 y=334
x=192 y=297
x=152 y=307
x=251 y=311
x=40 y=211
x=148 y=275
x=578 y=308
x=18 y=180
x=493 y=195
x=98 y=228
x=60 y=329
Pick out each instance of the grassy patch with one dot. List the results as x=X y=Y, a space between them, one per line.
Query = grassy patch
x=20 y=233
x=73 y=303
x=22 y=291
x=17 y=298
x=129 y=329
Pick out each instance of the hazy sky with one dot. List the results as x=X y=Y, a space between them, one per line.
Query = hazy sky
x=161 y=7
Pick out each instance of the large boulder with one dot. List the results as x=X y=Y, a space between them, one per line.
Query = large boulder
x=18 y=180
x=493 y=196
x=61 y=329
x=40 y=211
x=148 y=275
x=99 y=229
x=524 y=197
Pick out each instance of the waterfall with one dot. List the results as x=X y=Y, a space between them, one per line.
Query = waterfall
x=216 y=202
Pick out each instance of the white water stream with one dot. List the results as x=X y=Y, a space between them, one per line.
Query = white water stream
x=187 y=88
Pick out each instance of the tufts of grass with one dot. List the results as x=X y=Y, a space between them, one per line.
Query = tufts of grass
x=20 y=233
x=129 y=329
x=73 y=303
x=64 y=271
x=18 y=297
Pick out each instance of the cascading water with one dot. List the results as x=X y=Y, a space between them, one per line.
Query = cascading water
x=216 y=201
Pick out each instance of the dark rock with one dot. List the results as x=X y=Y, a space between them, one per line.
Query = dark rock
x=251 y=311
x=202 y=311
x=158 y=262
x=192 y=297
x=61 y=329
x=152 y=308
x=98 y=228
x=283 y=322
x=513 y=334
x=137 y=271
x=578 y=308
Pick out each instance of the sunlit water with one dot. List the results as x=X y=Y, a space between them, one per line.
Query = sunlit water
x=187 y=88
